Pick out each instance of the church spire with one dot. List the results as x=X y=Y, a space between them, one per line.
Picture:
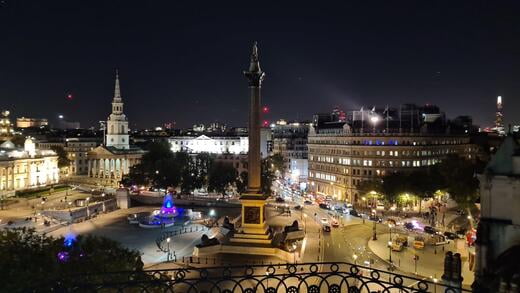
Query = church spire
x=117 y=90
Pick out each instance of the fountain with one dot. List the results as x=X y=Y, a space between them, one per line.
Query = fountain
x=163 y=217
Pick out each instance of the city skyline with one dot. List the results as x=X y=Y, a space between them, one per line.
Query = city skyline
x=184 y=67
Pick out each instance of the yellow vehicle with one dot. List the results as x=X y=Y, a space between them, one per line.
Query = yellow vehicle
x=397 y=245
x=418 y=243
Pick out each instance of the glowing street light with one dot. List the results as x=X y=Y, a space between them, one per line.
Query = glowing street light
x=374 y=120
x=354 y=256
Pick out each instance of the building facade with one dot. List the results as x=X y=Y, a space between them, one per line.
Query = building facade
x=498 y=233
x=290 y=141
x=342 y=156
x=77 y=150
x=24 y=122
x=107 y=164
x=27 y=167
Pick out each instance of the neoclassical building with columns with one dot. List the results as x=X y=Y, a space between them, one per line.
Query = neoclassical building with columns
x=108 y=163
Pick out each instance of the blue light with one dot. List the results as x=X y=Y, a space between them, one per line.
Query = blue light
x=69 y=240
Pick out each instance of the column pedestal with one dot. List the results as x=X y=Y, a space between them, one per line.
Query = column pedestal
x=254 y=228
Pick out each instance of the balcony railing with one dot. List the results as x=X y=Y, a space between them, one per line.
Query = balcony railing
x=306 y=277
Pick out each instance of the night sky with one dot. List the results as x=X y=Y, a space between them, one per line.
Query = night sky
x=182 y=60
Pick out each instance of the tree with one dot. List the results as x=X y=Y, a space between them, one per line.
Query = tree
x=393 y=185
x=267 y=176
x=63 y=159
x=459 y=178
x=371 y=189
x=242 y=182
x=221 y=176
x=277 y=162
x=159 y=167
x=194 y=170
x=35 y=262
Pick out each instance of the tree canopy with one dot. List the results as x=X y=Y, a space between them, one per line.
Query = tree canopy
x=30 y=261
x=63 y=159
x=221 y=176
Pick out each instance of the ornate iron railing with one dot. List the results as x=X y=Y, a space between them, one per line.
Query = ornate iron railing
x=307 y=277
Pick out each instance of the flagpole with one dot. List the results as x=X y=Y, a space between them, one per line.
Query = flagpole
x=387 y=110
x=400 y=118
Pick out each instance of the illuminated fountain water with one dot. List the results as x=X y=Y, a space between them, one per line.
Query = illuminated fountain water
x=163 y=217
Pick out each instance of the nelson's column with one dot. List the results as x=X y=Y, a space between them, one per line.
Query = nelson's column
x=254 y=227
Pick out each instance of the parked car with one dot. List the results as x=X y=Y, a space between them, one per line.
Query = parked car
x=298 y=207
x=394 y=221
x=402 y=239
x=326 y=228
x=440 y=240
x=429 y=230
x=397 y=246
x=307 y=202
x=450 y=235
x=324 y=206
x=355 y=213
x=279 y=199
x=375 y=218
x=335 y=224
x=324 y=221
x=418 y=243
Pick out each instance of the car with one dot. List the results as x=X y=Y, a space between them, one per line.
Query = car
x=397 y=246
x=402 y=239
x=335 y=224
x=326 y=228
x=375 y=218
x=429 y=230
x=418 y=243
x=450 y=235
x=298 y=207
x=324 y=206
x=324 y=221
x=307 y=202
x=410 y=226
x=347 y=205
x=344 y=210
x=279 y=199
x=396 y=221
x=355 y=213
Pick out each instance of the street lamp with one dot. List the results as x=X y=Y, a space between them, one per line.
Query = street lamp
x=390 y=228
x=168 y=255
x=390 y=251
x=374 y=120
x=354 y=256
x=305 y=224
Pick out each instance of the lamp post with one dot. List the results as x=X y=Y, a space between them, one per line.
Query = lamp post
x=390 y=251
x=374 y=119
x=374 y=236
x=88 y=210
x=354 y=256
x=168 y=255
x=305 y=224
x=390 y=228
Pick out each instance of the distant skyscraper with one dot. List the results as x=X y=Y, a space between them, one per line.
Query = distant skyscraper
x=499 y=120
x=117 y=123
